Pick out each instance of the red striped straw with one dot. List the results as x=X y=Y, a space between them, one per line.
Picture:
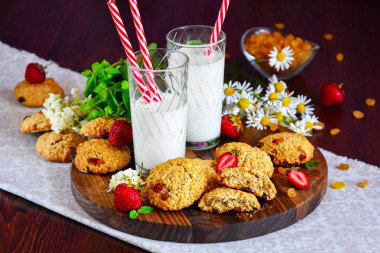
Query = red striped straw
x=218 y=25
x=144 y=49
x=128 y=49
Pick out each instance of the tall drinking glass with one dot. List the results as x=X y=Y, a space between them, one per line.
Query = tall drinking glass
x=159 y=128
x=205 y=82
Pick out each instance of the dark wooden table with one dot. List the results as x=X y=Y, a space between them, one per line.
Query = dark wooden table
x=77 y=33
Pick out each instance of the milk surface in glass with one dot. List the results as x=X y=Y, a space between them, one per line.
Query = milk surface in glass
x=205 y=94
x=159 y=130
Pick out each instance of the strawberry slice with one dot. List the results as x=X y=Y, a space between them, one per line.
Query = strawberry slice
x=298 y=178
x=227 y=160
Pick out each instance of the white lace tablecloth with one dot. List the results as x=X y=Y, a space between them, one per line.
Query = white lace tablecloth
x=347 y=220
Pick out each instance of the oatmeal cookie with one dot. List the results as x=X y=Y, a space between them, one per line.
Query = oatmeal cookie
x=100 y=157
x=287 y=149
x=34 y=94
x=175 y=184
x=209 y=167
x=245 y=179
x=99 y=127
x=224 y=199
x=58 y=147
x=37 y=122
x=250 y=157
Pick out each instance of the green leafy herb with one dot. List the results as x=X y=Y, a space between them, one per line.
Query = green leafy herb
x=311 y=164
x=107 y=90
x=145 y=209
x=195 y=42
x=133 y=214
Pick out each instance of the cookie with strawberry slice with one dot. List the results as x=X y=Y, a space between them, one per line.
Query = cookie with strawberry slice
x=246 y=156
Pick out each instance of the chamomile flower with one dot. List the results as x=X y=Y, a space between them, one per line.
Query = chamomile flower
x=310 y=120
x=288 y=107
x=281 y=60
x=229 y=92
x=245 y=86
x=303 y=105
x=299 y=127
x=258 y=90
x=231 y=109
x=245 y=102
x=280 y=86
x=261 y=120
x=272 y=96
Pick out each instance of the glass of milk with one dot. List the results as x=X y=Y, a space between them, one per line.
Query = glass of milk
x=159 y=128
x=205 y=83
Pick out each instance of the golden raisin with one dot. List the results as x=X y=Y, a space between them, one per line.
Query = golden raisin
x=281 y=170
x=291 y=192
x=339 y=57
x=358 y=114
x=338 y=185
x=328 y=36
x=344 y=166
x=273 y=127
x=320 y=124
x=279 y=26
x=363 y=183
x=370 y=101
x=334 y=131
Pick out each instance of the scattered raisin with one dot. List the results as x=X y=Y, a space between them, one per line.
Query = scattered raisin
x=338 y=185
x=228 y=56
x=74 y=155
x=273 y=127
x=279 y=26
x=363 y=183
x=264 y=196
x=344 y=166
x=165 y=196
x=95 y=161
x=334 y=131
x=21 y=99
x=328 y=36
x=358 y=114
x=370 y=101
x=260 y=144
x=320 y=126
x=158 y=187
x=302 y=157
x=339 y=57
x=291 y=192
x=281 y=170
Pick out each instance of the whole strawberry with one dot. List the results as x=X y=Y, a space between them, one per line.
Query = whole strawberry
x=232 y=126
x=35 y=73
x=332 y=94
x=126 y=198
x=120 y=133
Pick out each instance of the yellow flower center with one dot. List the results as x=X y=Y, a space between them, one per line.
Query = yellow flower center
x=243 y=103
x=279 y=86
x=302 y=133
x=279 y=117
x=273 y=97
x=255 y=93
x=286 y=102
x=309 y=126
x=265 y=121
x=229 y=91
x=280 y=56
x=300 y=108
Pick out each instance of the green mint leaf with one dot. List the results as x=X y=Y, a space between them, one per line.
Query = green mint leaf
x=195 y=42
x=90 y=86
x=125 y=85
x=124 y=70
x=93 y=114
x=152 y=46
x=86 y=73
x=105 y=64
x=311 y=164
x=145 y=209
x=133 y=214
x=112 y=71
x=100 y=87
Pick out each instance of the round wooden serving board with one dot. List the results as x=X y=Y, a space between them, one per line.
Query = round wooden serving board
x=191 y=225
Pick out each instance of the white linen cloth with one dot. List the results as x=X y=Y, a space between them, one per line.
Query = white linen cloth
x=347 y=220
